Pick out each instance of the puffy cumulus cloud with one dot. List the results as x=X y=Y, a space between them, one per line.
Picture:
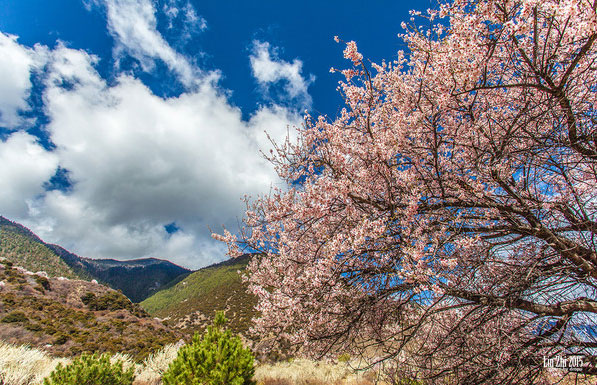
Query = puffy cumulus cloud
x=138 y=162
x=133 y=25
x=24 y=168
x=268 y=70
x=16 y=63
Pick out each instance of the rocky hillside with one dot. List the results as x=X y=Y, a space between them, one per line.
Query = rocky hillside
x=66 y=317
x=190 y=304
x=137 y=279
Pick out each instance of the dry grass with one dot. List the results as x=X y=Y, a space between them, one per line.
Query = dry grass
x=22 y=365
x=150 y=372
x=307 y=372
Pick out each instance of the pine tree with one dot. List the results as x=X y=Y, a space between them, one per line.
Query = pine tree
x=218 y=358
x=92 y=370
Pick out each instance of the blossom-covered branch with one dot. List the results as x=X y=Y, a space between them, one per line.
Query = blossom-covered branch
x=446 y=219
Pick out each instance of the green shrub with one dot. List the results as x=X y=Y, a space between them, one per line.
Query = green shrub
x=218 y=358
x=15 y=316
x=112 y=300
x=33 y=327
x=60 y=339
x=43 y=282
x=88 y=298
x=9 y=300
x=344 y=357
x=91 y=370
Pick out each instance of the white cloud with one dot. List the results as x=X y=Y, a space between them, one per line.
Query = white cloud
x=171 y=11
x=133 y=25
x=276 y=120
x=138 y=162
x=268 y=69
x=16 y=63
x=191 y=21
x=24 y=167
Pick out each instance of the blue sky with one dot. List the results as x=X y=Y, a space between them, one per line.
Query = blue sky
x=129 y=128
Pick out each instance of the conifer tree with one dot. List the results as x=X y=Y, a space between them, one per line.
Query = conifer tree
x=218 y=358
x=92 y=370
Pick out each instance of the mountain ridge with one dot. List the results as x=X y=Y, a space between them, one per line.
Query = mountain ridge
x=137 y=279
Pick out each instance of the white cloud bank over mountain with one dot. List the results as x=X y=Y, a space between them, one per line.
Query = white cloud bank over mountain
x=137 y=161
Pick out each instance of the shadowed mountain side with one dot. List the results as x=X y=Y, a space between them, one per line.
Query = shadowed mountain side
x=190 y=304
x=138 y=279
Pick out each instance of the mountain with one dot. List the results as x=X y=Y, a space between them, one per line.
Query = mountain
x=137 y=279
x=24 y=248
x=66 y=317
x=190 y=304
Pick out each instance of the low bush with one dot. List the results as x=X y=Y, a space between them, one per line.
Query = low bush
x=33 y=327
x=92 y=370
x=43 y=282
x=15 y=316
x=112 y=300
x=60 y=339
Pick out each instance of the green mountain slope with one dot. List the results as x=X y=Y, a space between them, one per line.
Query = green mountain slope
x=25 y=249
x=190 y=304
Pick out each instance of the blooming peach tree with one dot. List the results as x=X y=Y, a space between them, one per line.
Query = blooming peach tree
x=446 y=219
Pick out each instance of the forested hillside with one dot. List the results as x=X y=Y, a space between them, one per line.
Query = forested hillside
x=26 y=249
